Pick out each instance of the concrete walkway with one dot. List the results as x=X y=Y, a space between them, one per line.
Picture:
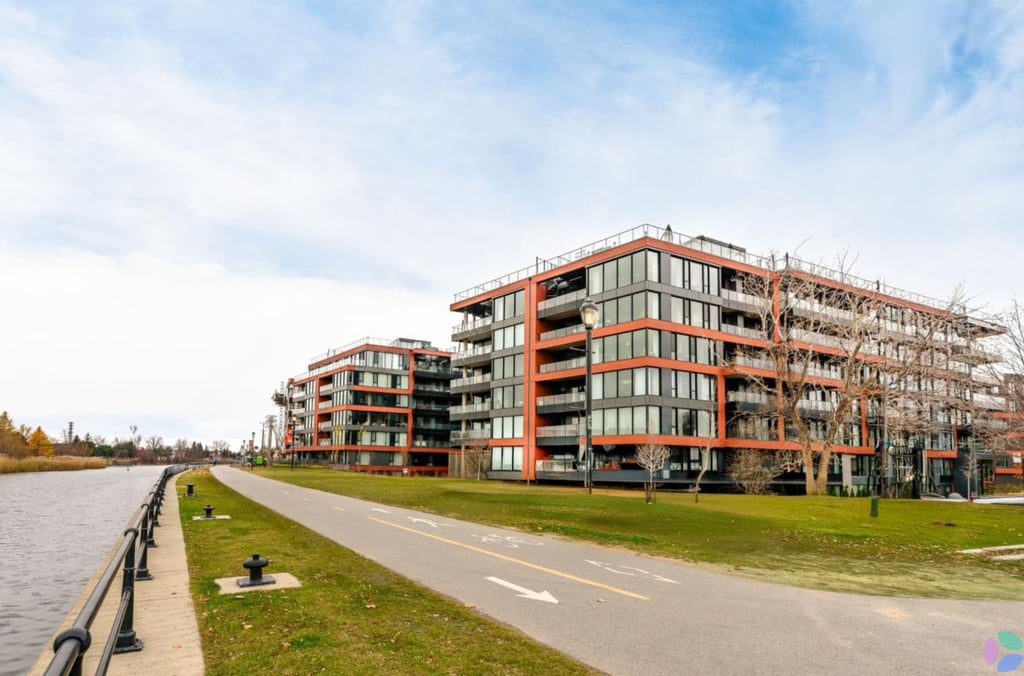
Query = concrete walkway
x=165 y=620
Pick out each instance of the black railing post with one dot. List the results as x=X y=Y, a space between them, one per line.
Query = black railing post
x=149 y=536
x=158 y=500
x=127 y=641
x=84 y=639
x=143 y=571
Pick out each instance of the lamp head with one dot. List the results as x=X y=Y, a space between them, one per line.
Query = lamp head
x=589 y=313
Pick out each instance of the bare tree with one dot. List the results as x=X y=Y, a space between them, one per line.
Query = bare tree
x=753 y=470
x=1011 y=381
x=476 y=458
x=181 y=448
x=652 y=457
x=705 y=462
x=815 y=335
x=155 y=445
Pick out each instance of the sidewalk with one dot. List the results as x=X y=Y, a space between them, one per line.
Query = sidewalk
x=165 y=620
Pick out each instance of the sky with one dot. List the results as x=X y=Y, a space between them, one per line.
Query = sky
x=196 y=198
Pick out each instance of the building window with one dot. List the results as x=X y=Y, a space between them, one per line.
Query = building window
x=506 y=458
x=507 y=427
x=689 y=422
x=686 y=385
x=696 y=350
x=627 y=420
x=509 y=306
x=510 y=336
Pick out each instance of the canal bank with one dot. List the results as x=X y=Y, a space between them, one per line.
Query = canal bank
x=55 y=529
x=165 y=619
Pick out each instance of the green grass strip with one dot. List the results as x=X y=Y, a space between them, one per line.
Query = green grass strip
x=350 y=616
x=818 y=542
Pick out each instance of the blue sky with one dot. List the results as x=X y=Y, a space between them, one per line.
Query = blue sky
x=196 y=197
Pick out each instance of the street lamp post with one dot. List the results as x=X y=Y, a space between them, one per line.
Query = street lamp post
x=589 y=314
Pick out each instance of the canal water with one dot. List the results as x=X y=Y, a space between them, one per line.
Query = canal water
x=56 y=528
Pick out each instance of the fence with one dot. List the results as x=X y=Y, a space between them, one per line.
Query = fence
x=131 y=559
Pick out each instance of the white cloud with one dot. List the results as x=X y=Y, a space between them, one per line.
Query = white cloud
x=193 y=193
x=179 y=350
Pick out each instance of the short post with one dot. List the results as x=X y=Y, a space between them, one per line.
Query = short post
x=127 y=641
x=208 y=512
x=190 y=493
x=255 y=566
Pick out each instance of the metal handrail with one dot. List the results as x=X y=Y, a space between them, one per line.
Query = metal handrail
x=71 y=644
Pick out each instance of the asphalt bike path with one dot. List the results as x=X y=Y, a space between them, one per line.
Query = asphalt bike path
x=625 y=613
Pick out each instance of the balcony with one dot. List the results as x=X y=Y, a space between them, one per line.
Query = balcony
x=480 y=381
x=470 y=411
x=427 y=405
x=431 y=387
x=557 y=399
x=743 y=397
x=473 y=328
x=565 y=305
x=469 y=435
x=475 y=355
x=573 y=430
x=750 y=362
x=970 y=354
x=561 y=333
x=742 y=331
x=747 y=301
x=991 y=402
x=574 y=363
x=809 y=406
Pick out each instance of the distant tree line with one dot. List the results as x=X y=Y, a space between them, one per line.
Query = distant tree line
x=22 y=441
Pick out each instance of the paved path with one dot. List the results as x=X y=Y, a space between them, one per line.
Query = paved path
x=629 y=614
x=165 y=619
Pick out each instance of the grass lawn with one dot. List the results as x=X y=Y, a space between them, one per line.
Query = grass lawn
x=818 y=542
x=350 y=616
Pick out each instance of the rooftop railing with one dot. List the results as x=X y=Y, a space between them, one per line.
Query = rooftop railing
x=773 y=262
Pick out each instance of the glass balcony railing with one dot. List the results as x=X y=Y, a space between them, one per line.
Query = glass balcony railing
x=555 y=399
x=574 y=363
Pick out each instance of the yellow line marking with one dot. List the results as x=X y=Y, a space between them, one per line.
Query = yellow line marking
x=550 y=571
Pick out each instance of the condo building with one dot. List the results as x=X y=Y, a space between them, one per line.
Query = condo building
x=686 y=354
x=378 y=406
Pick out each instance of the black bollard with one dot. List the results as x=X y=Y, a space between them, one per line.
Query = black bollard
x=189 y=493
x=208 y=512
x=255 y=566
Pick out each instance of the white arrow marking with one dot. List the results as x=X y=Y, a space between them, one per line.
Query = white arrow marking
x=524 y=592
x=378 y=509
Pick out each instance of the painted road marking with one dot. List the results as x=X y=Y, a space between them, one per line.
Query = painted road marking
x=429 y=522
x=307 y=499
x=524 y=592
x=340 y=509
x=611 y=568
x=543 y=569
x=510 y=541
x=378 y=509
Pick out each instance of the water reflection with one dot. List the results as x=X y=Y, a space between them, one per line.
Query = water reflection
x=56 y=528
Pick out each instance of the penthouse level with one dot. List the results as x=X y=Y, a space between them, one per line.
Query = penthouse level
x=376 y=406
x=685 y=354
